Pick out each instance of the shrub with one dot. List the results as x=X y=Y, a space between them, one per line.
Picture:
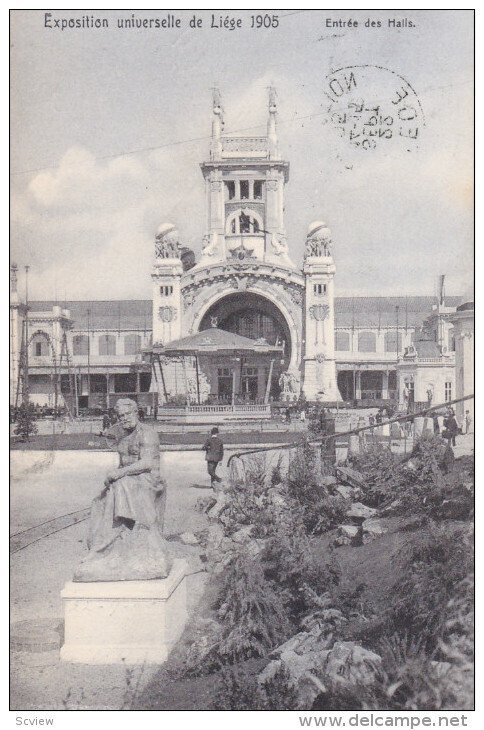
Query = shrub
x=25 y=426
x=319 y=510
x=433 y=567
x=250 y=610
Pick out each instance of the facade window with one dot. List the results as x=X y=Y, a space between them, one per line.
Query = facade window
x=240 y=223
x=107 y=345
x=132 y=344
x=80 y=345
x=125 y=383
x=244 y=223
x=366 y=342
x=342 y=341
x=98 y=384
x=144 y=382
x=244 y=189
x=319 y=289
x=391 y=344
x=230 y=188
x=166 y=290
x=258 y=189
x=65 y=383
x=40 y=346
x=448 y=391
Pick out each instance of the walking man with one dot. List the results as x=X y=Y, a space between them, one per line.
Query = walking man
x=468 y=422
x=214 y=449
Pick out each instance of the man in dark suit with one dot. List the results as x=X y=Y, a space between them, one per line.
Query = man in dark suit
x=214 y=449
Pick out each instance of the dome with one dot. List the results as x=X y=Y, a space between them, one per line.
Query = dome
x=318 y=227
x=165 y=228
x=467 y=299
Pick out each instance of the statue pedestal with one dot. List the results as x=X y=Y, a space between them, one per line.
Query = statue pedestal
x=136 y=622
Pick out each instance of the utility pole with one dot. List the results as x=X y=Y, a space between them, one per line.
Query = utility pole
x=88 y=355
x=397 y=308
x=25 y=394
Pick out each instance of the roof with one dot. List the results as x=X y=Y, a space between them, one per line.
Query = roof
x=118 y=314
x=381 y=311
x=427 y=348
x=127 y=314
x=216 y=340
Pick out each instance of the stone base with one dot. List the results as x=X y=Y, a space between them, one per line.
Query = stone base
x=135 y=622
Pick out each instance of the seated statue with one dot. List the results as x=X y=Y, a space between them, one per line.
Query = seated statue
x=125 y=532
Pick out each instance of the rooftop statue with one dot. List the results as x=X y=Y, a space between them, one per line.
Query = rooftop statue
x=125 y=531
x=167 y=242
x=318 y=240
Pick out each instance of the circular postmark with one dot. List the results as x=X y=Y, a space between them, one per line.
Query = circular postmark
x=372 y=107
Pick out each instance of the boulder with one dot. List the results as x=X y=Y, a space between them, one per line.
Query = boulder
x=372 y=529
x=243 y=535
x=351 y=665
x=345 y=492
x=347 y=535
x=359 y=511
x=188 y=538
x=350 y=476
x=327 y=481
x=204 y=504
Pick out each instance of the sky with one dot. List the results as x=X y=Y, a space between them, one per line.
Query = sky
x=108 y=127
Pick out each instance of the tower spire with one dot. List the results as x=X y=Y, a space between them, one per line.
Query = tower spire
x=271 y=123
x=217 y=123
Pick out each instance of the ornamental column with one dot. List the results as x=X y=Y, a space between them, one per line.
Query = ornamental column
x=166 y=276
x=319 y=367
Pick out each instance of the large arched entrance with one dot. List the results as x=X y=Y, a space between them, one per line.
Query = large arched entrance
x=250 y=315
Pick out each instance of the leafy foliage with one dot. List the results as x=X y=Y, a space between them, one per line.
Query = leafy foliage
x=250 y=611
x=25 y=426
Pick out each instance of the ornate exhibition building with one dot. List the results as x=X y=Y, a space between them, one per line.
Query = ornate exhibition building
x=241 y=327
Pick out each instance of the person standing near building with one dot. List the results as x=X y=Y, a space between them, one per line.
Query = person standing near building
x=468 y=422
x=214 y=453
x=451 y=428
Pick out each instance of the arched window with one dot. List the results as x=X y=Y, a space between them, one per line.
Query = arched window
x=366 y=342
x=132 y=344
x=107 y=345
x=80 y=345
x=391 y=342
x=40 y=345
x=244 y=222
x=342 y=341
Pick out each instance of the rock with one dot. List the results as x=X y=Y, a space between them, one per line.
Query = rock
x=243 y=535
x=188 y=538
x=347 y=535
x=345 y=492
x=276 y=498
x=327 y=481
x=219 y=506
x=350 y=664
x=350 y=476
x=359 y=511
x=372 y=529
x=204 y=504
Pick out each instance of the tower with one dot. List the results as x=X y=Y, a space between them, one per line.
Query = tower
x=244 y=181
x=15 y=333
x=319 y=359
x=166 y=275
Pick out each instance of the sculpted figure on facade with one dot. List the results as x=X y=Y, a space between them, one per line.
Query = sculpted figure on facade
x=167 y=244
x=318 y=241
x=210 y=244
x=279 y=244
x=125 y=531
x=289 y=384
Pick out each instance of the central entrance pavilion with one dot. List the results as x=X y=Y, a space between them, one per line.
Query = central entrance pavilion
x=222 y=373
